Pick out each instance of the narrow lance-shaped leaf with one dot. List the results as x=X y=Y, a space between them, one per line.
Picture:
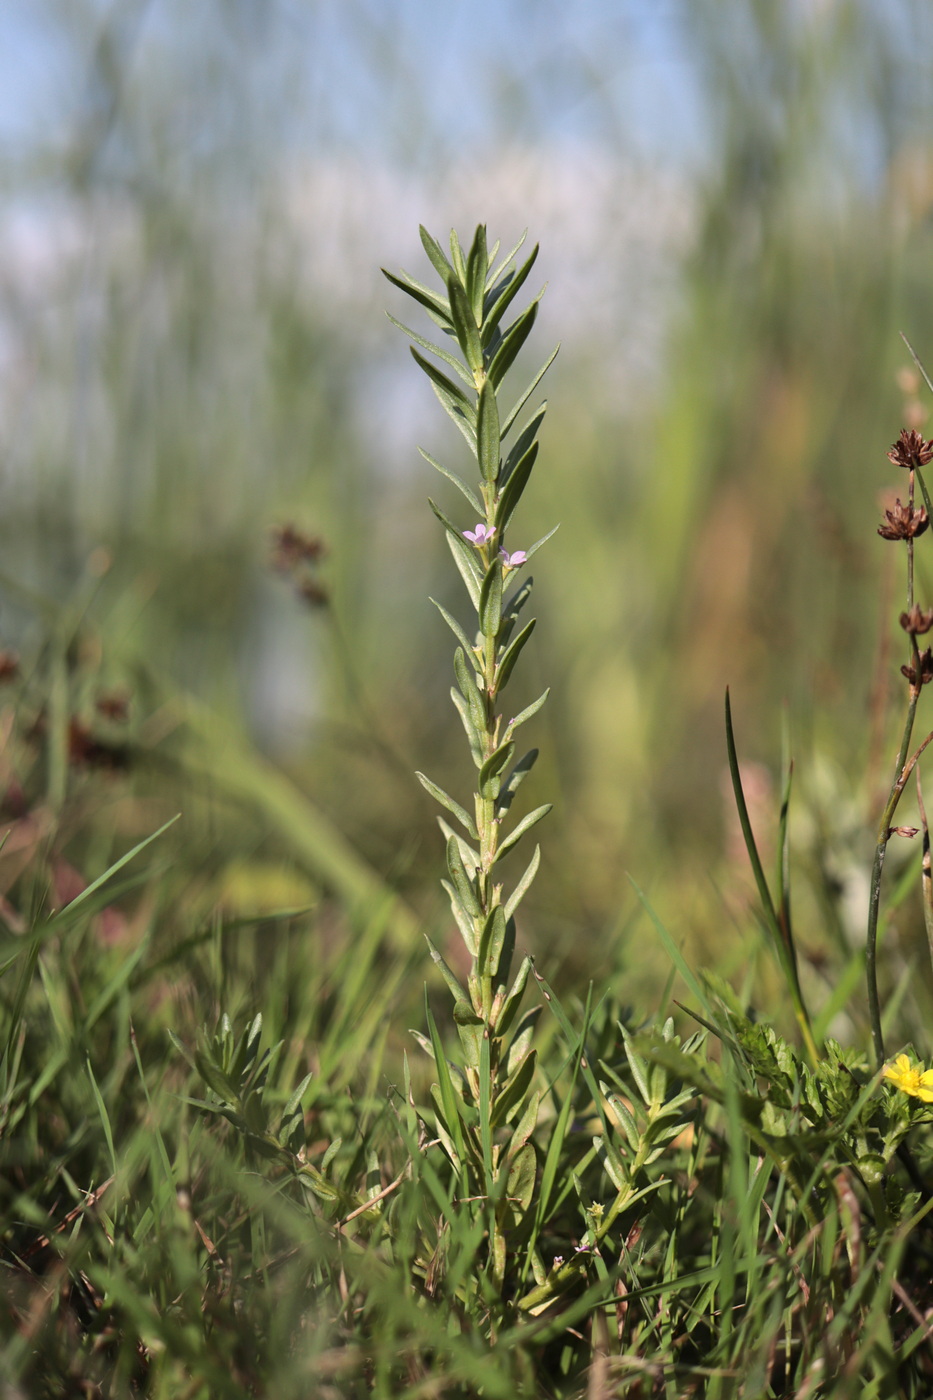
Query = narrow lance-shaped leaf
x=512 y=607
x=524 y=826
x=445 y=1085
x=487 y=434
x=464 y=556
x=485 y=1114
x=508 y=953
x=514 y=780
x=473 y=735
x=459 y=416
x=437 y=350
x=533 y=549
x=638 y=1066
x=493 y=768
x=455 y=627
x=462 y=883
x=464 y=923
x=423 y=295
x=461 y=486
x=508 y=293
x=521 y=1183
x=511 y=492
x=493 y=278
x=507 y=662
x=468 y=855
x=490 y=600
x=469 y=689
x=528 y=712
x=466 y=329
x=512 y=342
x=476 y=269
x=512 y=1003
x=512 y=1096
x=436 y=254
x=215 y=1078
x=456 y=991
x=297 y=1096
x=524 y=440
x=623 y=1114
x=465 y=562
x=447 y=801
x=612 y=1163
x=491 y=941
x=248 y=1049
x=444 y=1137
x=457 y=258
x=524 y=884
x=524 y=397
x=526 y=1124
x=452 y=392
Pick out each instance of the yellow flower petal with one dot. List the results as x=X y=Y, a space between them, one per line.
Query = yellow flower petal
x=910 y=1079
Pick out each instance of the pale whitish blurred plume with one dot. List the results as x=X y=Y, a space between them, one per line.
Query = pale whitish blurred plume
x=611 y=237
x=612 y=240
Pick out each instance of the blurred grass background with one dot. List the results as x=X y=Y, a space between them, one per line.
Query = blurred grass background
x=734 y=205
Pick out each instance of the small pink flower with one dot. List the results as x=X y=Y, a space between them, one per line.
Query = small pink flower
x=480 y=536
x=513 y=561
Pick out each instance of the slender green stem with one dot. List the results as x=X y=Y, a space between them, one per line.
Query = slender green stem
x=910 y=553
x=874 y=897
x=902 y=771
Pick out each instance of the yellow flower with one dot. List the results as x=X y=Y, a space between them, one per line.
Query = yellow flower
x=911 y=1079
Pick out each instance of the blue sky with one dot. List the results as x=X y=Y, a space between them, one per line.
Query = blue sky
x=408 y=78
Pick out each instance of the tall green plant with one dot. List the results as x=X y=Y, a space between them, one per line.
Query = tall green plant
x=486 y=1111
x=495 y=1091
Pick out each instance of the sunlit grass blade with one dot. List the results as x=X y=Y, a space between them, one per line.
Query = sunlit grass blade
x=780 y=936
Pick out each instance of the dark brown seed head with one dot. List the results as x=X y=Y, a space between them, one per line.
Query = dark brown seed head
x=903 y=523
x=291 y=547
x=911 y=450
x=925 y=674
x=313 y=593
x=9 y=666
x=916 y=622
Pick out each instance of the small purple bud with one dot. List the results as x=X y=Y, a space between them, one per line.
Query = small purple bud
x=480 y=536
x=513 y=561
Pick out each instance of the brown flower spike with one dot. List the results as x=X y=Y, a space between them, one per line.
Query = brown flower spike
x=904 y=523
x=917 y=622
x=292 y=547
x=923 y=674
x=911 y=450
